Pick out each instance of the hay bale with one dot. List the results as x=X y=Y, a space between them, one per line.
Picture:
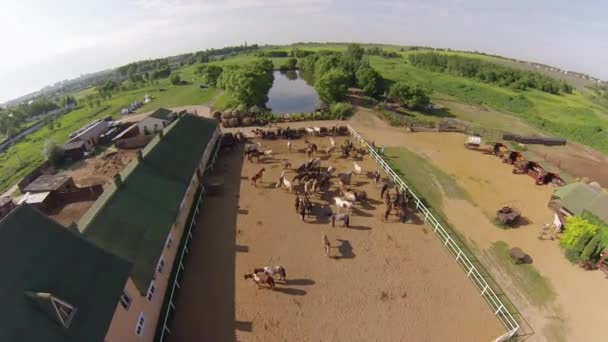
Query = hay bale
x=234 y=122
x=227 y=114
x=247 y=121
x=226 y=123
x=217 y=116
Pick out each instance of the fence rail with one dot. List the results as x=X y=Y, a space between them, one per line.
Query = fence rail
x=472 y=272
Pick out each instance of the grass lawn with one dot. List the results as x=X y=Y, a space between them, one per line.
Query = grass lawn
x=426 y=179
x=536 y=288
x=26 y=155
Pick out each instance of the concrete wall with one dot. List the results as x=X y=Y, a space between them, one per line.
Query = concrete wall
x=153 y=125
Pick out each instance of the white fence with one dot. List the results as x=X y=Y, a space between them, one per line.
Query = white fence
x=487 y=293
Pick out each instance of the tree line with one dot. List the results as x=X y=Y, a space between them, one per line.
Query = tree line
x=248 y=84
x=332 y=73
x=488 y=72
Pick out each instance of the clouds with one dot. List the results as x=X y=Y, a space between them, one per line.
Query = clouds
x=49 y=41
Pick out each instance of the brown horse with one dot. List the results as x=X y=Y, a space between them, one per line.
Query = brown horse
x=260 y=280
x=253 y=154
x=257 y=176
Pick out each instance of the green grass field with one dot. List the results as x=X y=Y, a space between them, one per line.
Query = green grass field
x=26 y=155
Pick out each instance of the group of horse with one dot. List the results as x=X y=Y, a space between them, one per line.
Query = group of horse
x=265 y=276
x=311 y=178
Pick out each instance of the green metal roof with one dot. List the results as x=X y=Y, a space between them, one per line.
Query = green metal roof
x=163 y=114
x=133 y=220
x=41 y=256
x=576 y=197
x=599 y=207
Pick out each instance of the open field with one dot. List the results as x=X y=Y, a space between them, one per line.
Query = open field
x=377 y=285
x=555 y=309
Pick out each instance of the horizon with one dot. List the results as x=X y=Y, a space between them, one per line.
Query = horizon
x=80 y=39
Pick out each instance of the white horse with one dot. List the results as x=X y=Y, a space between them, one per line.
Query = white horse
x=346 y=177
x=287 y=184
x=310 y=131
x=317 y=130
x=332 y=142
x=357 y=168
x=343 y=204
x=269 y=153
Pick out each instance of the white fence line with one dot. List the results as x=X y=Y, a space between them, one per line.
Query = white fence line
x=472 y=272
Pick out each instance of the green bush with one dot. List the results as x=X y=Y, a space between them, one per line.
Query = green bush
x=573 y=253
x=575 y=228
x=52 y=152
x=592 y=250
x=341 y=110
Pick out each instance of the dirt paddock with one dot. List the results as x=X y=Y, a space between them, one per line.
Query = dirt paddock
x=384 y=281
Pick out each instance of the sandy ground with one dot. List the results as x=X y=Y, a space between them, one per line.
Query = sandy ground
x=576 y=314
x=384 y=281
x=91 y=171
x=200 y=110
x=100 y=169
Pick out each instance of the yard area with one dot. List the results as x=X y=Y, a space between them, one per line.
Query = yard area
x=547 y=292
x=382 y=281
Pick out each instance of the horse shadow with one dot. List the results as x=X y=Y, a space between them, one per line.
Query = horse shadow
x=345 y=249
x=242 y=249
x=415 y=219
x=298 y=282
x=360 y=183
x=367 y=206
x=243 y=326
x=290 y=291
x=373 y=201
x=360 y=227
x=360 y=212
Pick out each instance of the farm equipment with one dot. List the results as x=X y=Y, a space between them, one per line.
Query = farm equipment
x=473 y=142
x=507 y=215
x=511 y=157
x=520 y=167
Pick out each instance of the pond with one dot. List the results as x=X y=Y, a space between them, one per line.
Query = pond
x=291 y=94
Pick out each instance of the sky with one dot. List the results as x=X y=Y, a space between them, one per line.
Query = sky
x=47 y=41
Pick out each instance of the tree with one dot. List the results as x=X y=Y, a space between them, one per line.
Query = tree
x=409 y=95
x=369 y=80
x=175 y=79
x=52 y=152
x=332 y=86
x=289 y=64
x=248 y=84
x=352 y=57
x=341 y=110
x=209 y=73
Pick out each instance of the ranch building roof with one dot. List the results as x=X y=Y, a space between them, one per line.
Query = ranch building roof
x=49 y=267
x=134 y=219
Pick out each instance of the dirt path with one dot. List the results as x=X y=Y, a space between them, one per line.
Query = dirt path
x=383 y=282
x=575 y=315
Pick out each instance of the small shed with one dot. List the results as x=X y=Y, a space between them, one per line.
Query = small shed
x=40 y=200
x=74 y=150
x=56 y=183
x=156 y=121
x=6 y=206
x=91 y=133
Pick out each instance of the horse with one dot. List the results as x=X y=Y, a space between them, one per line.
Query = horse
x=257 y=176
x=250 y=154
x=402 y=213
x=383 y=190
x=346 y=177
x=317 y=130
x=289 y=144
x=274 y=270
x=341 y=203
x=286 y=164
x=387 y=212
x=332 y=142
x=357 y=168
x=310 y=131
x=326 y=245
x=360 y=195
x=264 y=279
x=345 y=218
x=268 y=153
x=376 y=176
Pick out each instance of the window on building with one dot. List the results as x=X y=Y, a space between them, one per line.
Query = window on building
x=169 y=242
x=151 y=290
x=161 y=265
x=125 y=300
x=139 y=328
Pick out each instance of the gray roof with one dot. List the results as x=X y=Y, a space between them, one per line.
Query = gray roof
x=47 y=183
x=580 y=197
x=599 y=207
x=5 y=200
x=72 y=145
x=44 y=257
x=163 y=114
x=94 y=130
